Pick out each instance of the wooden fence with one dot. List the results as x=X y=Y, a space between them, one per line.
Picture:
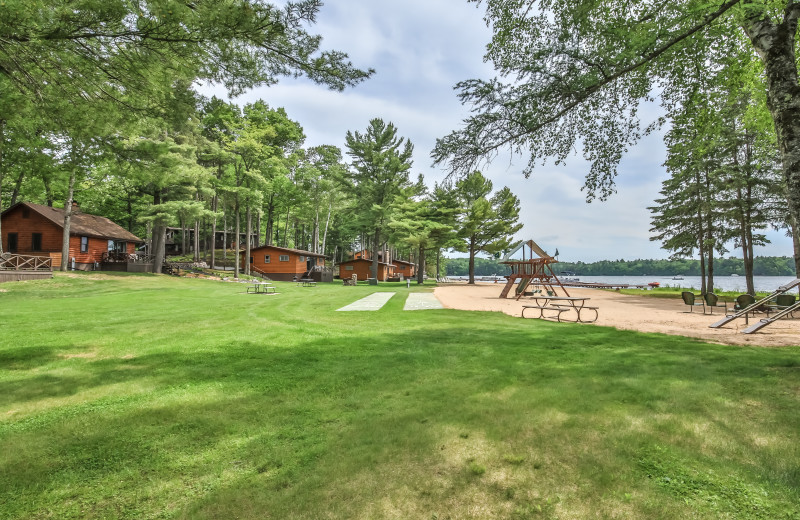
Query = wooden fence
x=9 y=262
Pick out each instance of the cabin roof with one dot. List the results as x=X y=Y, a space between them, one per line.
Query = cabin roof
x=363 y=260
x=81 y=223
x=396 y=261
x=286 y=250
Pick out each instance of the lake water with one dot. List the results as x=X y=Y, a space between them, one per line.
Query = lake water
x=721 y=283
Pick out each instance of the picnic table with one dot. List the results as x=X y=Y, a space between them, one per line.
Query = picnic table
x=306 y=282
x=260 y=288
x=561 y=305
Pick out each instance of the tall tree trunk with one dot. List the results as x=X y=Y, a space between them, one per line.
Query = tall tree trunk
x=159 y=238
x=471 y=261
x=286 y=229
x=17 y=188
x=247 y=242
x=315 y=232
x=701 y=235
x=438 y=262
x=258 y=230
x=48 y=191
x=214 y=206
x=236 y=256
x=159 y=246
x=183 y=237
x=2 y=173
x=197 y=240
x=225 y=237
x=67 y=220
x=374 y=267
x=270 y=219
x=421 y=268
x=129 y=208
x=325 y=234
x=775 y=44
x=796 y=242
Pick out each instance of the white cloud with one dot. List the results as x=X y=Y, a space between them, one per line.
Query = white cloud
x=420 y=50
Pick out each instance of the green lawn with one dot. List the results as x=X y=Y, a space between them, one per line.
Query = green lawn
x=156 y=397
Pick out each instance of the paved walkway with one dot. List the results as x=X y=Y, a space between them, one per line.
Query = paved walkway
x=422 y=302
x=373 y=302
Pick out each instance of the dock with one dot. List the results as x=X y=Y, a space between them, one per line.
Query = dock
x=598 y=285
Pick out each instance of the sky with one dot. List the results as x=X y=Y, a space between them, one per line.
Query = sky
x=420 y=49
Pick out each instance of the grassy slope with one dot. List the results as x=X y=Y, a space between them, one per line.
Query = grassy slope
x=155 y=397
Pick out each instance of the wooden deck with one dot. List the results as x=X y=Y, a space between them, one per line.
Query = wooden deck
x=16 y=268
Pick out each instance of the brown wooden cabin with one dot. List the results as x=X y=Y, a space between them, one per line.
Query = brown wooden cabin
x=284 y=264
x=36 y=230
x=407 y=269
x=361 y=268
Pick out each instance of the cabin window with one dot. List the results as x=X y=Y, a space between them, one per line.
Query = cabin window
x=84 y=244
x=26 y=213
x=36 y=242
x=12 y=242
x=348 y=268
x=110 y=245
x=302 y=259
x=266 y=259
x=284 y=258
x=251 y=259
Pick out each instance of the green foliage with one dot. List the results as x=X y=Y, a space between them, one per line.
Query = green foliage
x=764 y=266
x=486 y=224
x=98 y=49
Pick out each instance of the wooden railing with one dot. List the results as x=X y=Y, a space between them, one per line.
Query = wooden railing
x=9 y=262
x=121 y=257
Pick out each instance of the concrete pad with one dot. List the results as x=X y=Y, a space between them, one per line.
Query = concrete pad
x=373 y=302
x=419 y=301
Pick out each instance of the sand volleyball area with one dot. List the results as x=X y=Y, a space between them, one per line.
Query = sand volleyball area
x=629 y=312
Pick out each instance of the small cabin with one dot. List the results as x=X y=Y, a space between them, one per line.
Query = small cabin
x=36 y=230
x=361 y=268
x=284 y=264
x=401 y=267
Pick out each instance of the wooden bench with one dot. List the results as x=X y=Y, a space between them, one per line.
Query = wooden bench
x=580 y=310
x=261 y=288
x=561 y=308
x=558 y=308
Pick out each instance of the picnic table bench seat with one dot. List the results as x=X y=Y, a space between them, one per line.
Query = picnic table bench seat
x=558 y=308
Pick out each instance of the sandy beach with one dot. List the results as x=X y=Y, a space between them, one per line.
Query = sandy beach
x=640 y=313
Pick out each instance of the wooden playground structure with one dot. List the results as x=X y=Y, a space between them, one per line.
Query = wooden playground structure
x=532 y=271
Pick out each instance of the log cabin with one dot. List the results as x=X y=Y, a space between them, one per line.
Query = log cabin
x=406 y=269
x=361 y=268
x=284 y=264
x=401 y=268
x=36 y=230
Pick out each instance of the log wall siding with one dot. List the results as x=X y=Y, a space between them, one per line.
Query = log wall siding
x=294 y=267
x=404 y=269
x=361 y=268
x=13 y=222
x=52 y=235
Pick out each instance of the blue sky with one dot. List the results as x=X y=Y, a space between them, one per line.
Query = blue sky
x=420 y=50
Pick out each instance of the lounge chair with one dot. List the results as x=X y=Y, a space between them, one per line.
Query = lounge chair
x=744 y=301
x=712 y=300
x=690 y=299
x=782 y=301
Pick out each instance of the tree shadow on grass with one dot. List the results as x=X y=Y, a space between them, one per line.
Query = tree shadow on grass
x=254 y=424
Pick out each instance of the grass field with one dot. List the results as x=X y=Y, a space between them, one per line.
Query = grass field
x=125 y=396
